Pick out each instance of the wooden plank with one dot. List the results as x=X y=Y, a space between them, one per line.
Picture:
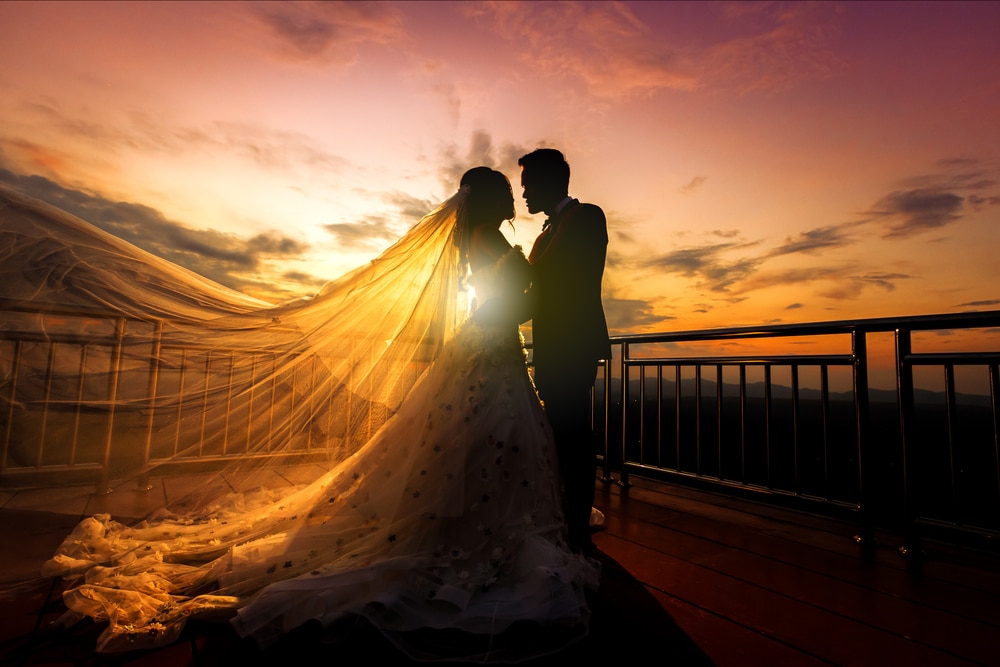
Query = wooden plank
x=978 y=604
x=961 y=565
x=812 y=630
x=940 y=629
x=728 y=643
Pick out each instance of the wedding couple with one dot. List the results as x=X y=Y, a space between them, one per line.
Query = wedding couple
x=569 y=330
x=468 y=510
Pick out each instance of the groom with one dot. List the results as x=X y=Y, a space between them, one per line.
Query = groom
x=569 y=330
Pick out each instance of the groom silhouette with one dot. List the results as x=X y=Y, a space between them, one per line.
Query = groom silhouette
x=569 y=329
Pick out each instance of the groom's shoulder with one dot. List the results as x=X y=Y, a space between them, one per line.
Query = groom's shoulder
x=583 y=209
x=588 y=214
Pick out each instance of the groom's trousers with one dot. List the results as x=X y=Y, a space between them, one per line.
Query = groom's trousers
x=565 y=390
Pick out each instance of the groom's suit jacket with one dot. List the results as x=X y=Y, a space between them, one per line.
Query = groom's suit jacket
x=568 y=322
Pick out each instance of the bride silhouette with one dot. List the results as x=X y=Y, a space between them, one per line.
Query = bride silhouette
x=427 y=495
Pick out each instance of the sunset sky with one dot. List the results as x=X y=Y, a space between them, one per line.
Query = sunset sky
x=758 y=162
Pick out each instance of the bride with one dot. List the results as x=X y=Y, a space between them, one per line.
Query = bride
x=447 y=517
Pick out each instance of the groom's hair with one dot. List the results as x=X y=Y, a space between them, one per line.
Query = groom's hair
x=547 y=166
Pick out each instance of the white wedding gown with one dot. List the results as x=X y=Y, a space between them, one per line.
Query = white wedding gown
x=448 y=518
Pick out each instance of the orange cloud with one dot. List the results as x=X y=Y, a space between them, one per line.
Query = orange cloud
x=329 y=32
x=36 y=158
x=602 y=45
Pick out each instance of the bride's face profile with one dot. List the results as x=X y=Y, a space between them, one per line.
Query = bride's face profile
x=491 y=200
x=504 y=204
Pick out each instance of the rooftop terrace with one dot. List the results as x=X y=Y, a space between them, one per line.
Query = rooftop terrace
x=690 y=578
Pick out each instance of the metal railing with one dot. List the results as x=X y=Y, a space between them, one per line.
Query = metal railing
x=926 y=462
x=714 y=408
x=117 y=401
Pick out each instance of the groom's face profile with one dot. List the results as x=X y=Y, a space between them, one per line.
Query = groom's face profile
x=536 y=195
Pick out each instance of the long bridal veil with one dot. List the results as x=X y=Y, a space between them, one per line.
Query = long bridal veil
x=116 y=364
x=357 y=453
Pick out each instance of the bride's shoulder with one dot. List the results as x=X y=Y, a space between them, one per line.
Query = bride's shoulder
x=487 y=246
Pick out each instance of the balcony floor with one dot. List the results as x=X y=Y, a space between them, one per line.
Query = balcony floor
x=690 y=578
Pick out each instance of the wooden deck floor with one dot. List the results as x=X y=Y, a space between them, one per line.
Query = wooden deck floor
x=690 y=578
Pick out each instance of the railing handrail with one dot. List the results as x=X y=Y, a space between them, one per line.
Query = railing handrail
x=833 y=359
x=31 y=307
x=965 y=320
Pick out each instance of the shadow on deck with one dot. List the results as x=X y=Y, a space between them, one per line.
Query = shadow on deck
x=690 y=578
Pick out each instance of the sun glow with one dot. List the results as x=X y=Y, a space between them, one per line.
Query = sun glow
x=469 y=302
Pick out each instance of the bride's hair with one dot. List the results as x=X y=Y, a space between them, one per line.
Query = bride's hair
x=490 y=197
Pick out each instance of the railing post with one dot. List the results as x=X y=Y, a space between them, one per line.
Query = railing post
x=606 y=474
x=50 y=369
x=697 y=419
x=623 y=476
x=743 y=423
x=80 y=384
x=642 y=415
x=796 y=459
x=155 y=352
x=659 y=416
x=994 y=374
x=904 y=383
x=951 y=403
x=866 y=459
x=15 y=366
x=104 y=486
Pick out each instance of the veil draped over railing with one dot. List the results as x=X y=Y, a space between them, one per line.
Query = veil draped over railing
x=117 y=361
